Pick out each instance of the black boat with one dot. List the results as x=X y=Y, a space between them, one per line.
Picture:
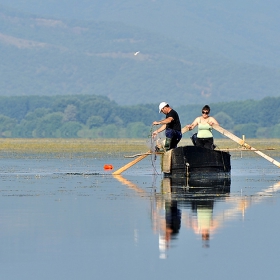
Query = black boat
x=192 y=161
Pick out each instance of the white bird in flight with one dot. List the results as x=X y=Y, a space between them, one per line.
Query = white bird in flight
x=136 y=53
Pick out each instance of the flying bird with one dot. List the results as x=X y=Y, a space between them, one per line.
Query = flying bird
x=136 y=53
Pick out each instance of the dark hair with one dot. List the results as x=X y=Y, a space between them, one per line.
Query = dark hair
x=206 y=107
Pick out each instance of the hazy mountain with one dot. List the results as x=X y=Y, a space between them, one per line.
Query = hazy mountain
x=50 y=56
x=245 y=31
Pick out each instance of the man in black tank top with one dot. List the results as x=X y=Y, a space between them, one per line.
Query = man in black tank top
x=171 y=124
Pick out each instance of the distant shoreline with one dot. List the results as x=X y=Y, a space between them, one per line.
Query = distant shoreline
x=112 y=147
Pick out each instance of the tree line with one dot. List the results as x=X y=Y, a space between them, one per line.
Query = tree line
x=92 y=116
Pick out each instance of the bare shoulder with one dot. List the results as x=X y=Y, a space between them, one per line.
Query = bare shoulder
x=213 y=120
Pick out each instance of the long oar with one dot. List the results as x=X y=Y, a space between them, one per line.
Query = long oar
x=242 y=143
x=128 y=165
x=125 y=167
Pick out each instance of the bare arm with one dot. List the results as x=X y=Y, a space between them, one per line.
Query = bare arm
x=193 y=125
x=165 y=121
x=163 y=127
x=212 y=121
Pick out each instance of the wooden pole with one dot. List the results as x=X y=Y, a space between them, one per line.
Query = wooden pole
x=243 y=144
x=125 y=167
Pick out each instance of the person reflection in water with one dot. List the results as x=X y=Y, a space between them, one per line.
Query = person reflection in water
x=202 y=221
x=173 y=219
x=170 y=226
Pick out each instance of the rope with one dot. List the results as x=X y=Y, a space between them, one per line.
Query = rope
x=222 y=157
x=152 y=149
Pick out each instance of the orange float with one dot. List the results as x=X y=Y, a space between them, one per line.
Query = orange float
x=108 y=166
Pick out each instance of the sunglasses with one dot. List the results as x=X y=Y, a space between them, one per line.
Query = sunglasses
x=205 y=112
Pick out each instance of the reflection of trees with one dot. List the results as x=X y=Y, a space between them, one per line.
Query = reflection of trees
x=191 y=204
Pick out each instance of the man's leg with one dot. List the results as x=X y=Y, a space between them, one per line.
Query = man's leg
x=168 y=142
x=173 y=137
x=177 y=136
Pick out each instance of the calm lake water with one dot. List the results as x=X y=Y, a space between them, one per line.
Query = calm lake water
x=68 y=218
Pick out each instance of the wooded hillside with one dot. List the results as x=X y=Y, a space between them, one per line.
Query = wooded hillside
x=89 y=116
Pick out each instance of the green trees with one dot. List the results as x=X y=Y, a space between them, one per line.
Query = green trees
x=6 y=125
x=224 y=120
x=137 y=130
x=87 y=116
x=94 y=121
x=91 y=116
x=249 y=130
x=70 y=129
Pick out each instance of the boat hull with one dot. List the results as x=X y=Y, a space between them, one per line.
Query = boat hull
x=192 y=161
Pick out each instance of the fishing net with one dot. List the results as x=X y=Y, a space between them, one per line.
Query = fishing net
x=155 y=144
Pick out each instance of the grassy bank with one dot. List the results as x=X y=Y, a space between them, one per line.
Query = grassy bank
x=113 y=146
x=72 y=146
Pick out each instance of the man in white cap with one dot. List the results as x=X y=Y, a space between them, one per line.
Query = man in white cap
x=171 y=124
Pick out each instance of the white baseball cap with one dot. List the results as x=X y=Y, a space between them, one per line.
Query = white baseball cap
x=162 y=105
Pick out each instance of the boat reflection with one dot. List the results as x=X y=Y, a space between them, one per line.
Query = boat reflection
x=195 y=205
x=177 y=196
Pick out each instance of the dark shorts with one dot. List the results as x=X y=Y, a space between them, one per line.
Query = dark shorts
x=175 y=135
x=207 y=143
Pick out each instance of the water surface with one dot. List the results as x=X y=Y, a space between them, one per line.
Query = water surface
x=68 y=218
